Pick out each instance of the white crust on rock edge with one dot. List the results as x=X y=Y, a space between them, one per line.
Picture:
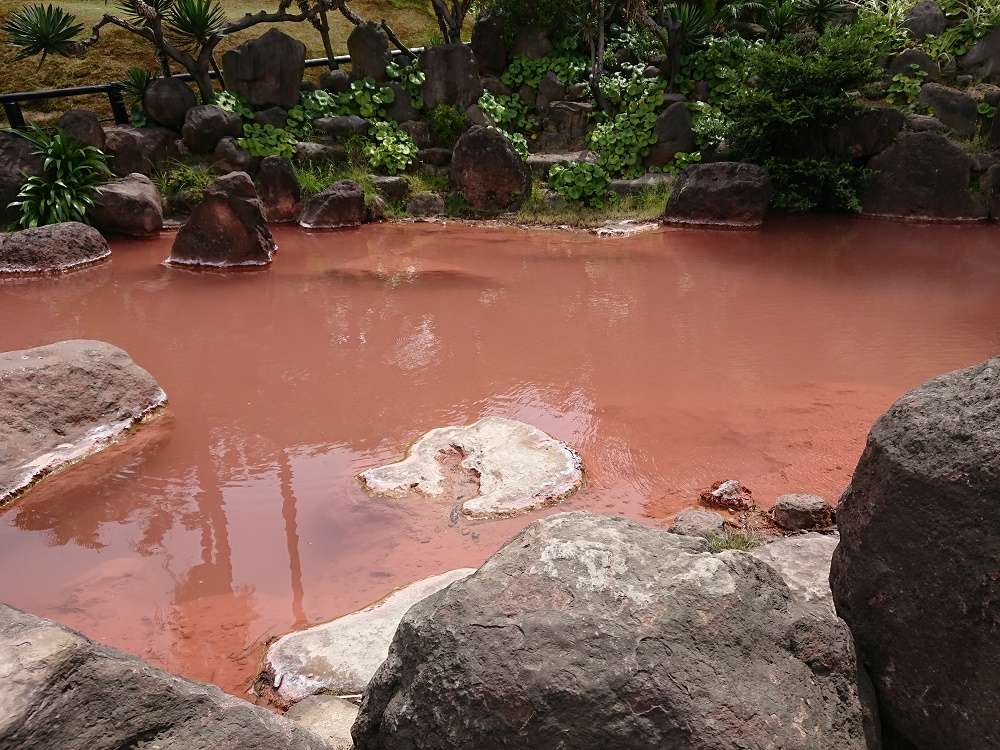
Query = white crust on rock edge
x=519 y=467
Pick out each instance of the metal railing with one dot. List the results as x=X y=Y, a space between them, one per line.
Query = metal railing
x=12 y=102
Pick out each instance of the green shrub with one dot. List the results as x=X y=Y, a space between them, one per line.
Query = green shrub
x=180 y=178
x=267 y=140
x=804 y=88
x=133 y=87
x=390 y=149
x=231 y=102
x=411 y=78
x=569 y=68
x=64 y=190
x=623 y=140
x=448 y=122
x=580 y=181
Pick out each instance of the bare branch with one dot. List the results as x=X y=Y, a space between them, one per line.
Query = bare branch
x=349 y=14
x=395 y=40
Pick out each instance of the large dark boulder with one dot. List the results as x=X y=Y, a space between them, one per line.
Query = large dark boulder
x=16 y=156
x=59 y=403
x=674 y=135
x=206 y=125
x=62 y=690
x=279 y=189
x=724 y=194
x=565 y=128
x=983 y=58
x=488 y=45
x=230 y=156
x=266 y=71
x=922 y=176
x=139 y=149
x=917 y=571
x=227 y=228
x=488 y=172
x=956 y=109
x=340 y=205
x=131 y=206
x=167 y=101
x=82 y=126
x=343 y=126
x=900 y=65
x=452 y=76
x=870 y=133
x=52 y=248
x=924 y=19
x=588 y=631
x=532 y=42
x=368 y=46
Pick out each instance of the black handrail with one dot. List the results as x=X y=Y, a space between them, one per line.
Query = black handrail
x=12 y=102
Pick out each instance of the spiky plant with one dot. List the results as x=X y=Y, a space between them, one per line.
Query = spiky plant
x=194 y=22
x=42 y=29
x=65 y=189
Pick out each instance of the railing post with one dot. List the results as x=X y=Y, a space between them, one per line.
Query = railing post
x=14 y=116
x=118 y=105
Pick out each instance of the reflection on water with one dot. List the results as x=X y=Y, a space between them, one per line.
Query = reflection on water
x=669 y=360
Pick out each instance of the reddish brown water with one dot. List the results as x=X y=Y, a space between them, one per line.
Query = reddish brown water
x=669 y=360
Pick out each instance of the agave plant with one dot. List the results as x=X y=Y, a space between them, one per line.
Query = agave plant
x=133 y=86
x=821 y=13
x=194 y=22
x=134 y=15
x=42 y=29
x=65 y=189
x=780 y=19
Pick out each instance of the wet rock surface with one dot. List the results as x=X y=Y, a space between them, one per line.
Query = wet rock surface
x=129 y=206
x=916 y=574
x=590 y=631
x=227 y=228
x=62 y=690
x=721 y=194
x=341 y=656
x=62 y=402
x=52 y=249
x=340 y=205
x=266 y=71
x=488 y=172
x=279 y=189
x=922 y=176
x=518 y=468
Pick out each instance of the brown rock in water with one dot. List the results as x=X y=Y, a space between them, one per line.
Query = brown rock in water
x=724 y=194
x=62 y=402
x=62 y=690
x=589 y=631
x=917 y=573
x=130 y=206
x=340 y=205
x=52 y=248
x=728 y=494
x=227 y=229
x=488 y=171
x=922 y=176
x=279 y=189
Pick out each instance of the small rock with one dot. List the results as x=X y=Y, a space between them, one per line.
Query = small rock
x=276 y=117
x=393 y=187
x=340 y=205
x=206 y=125
x=720 y=194
x=375 y=209
x=452 y=76
x=335 y=81
x=488 y=44
x=309 y=152
x=703 y=523
x=279 y=189
x=344 y=126
x=802 y=512
x=728 y=494
x=141 y=150
x=419 y=131
x=229 y=156
x=923 y=124
x=328 y=717
x=956 y=109
x=167 y=101
x=83 y=127
x=925 y=19
x=52 y=248
x=130 y=206
x=436 y=157
x=425 y=204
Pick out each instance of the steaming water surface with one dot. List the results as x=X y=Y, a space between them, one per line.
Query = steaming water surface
x=668 y=360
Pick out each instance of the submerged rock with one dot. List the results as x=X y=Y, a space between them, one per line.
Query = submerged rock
x=52 y=248
x=586 y=631
x=728 y=494
x=62 y=690
x=917 y=571
x=518 y=467
x=227 y=228
x=342 y=655
x=62 y=402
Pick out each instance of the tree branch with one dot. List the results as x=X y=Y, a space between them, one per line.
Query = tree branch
x=395 y=40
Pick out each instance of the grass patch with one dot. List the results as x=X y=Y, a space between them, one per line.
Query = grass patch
x=647 y=205
x=739 y=540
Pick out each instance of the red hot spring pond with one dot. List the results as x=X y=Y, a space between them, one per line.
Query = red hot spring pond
x=669 y=360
